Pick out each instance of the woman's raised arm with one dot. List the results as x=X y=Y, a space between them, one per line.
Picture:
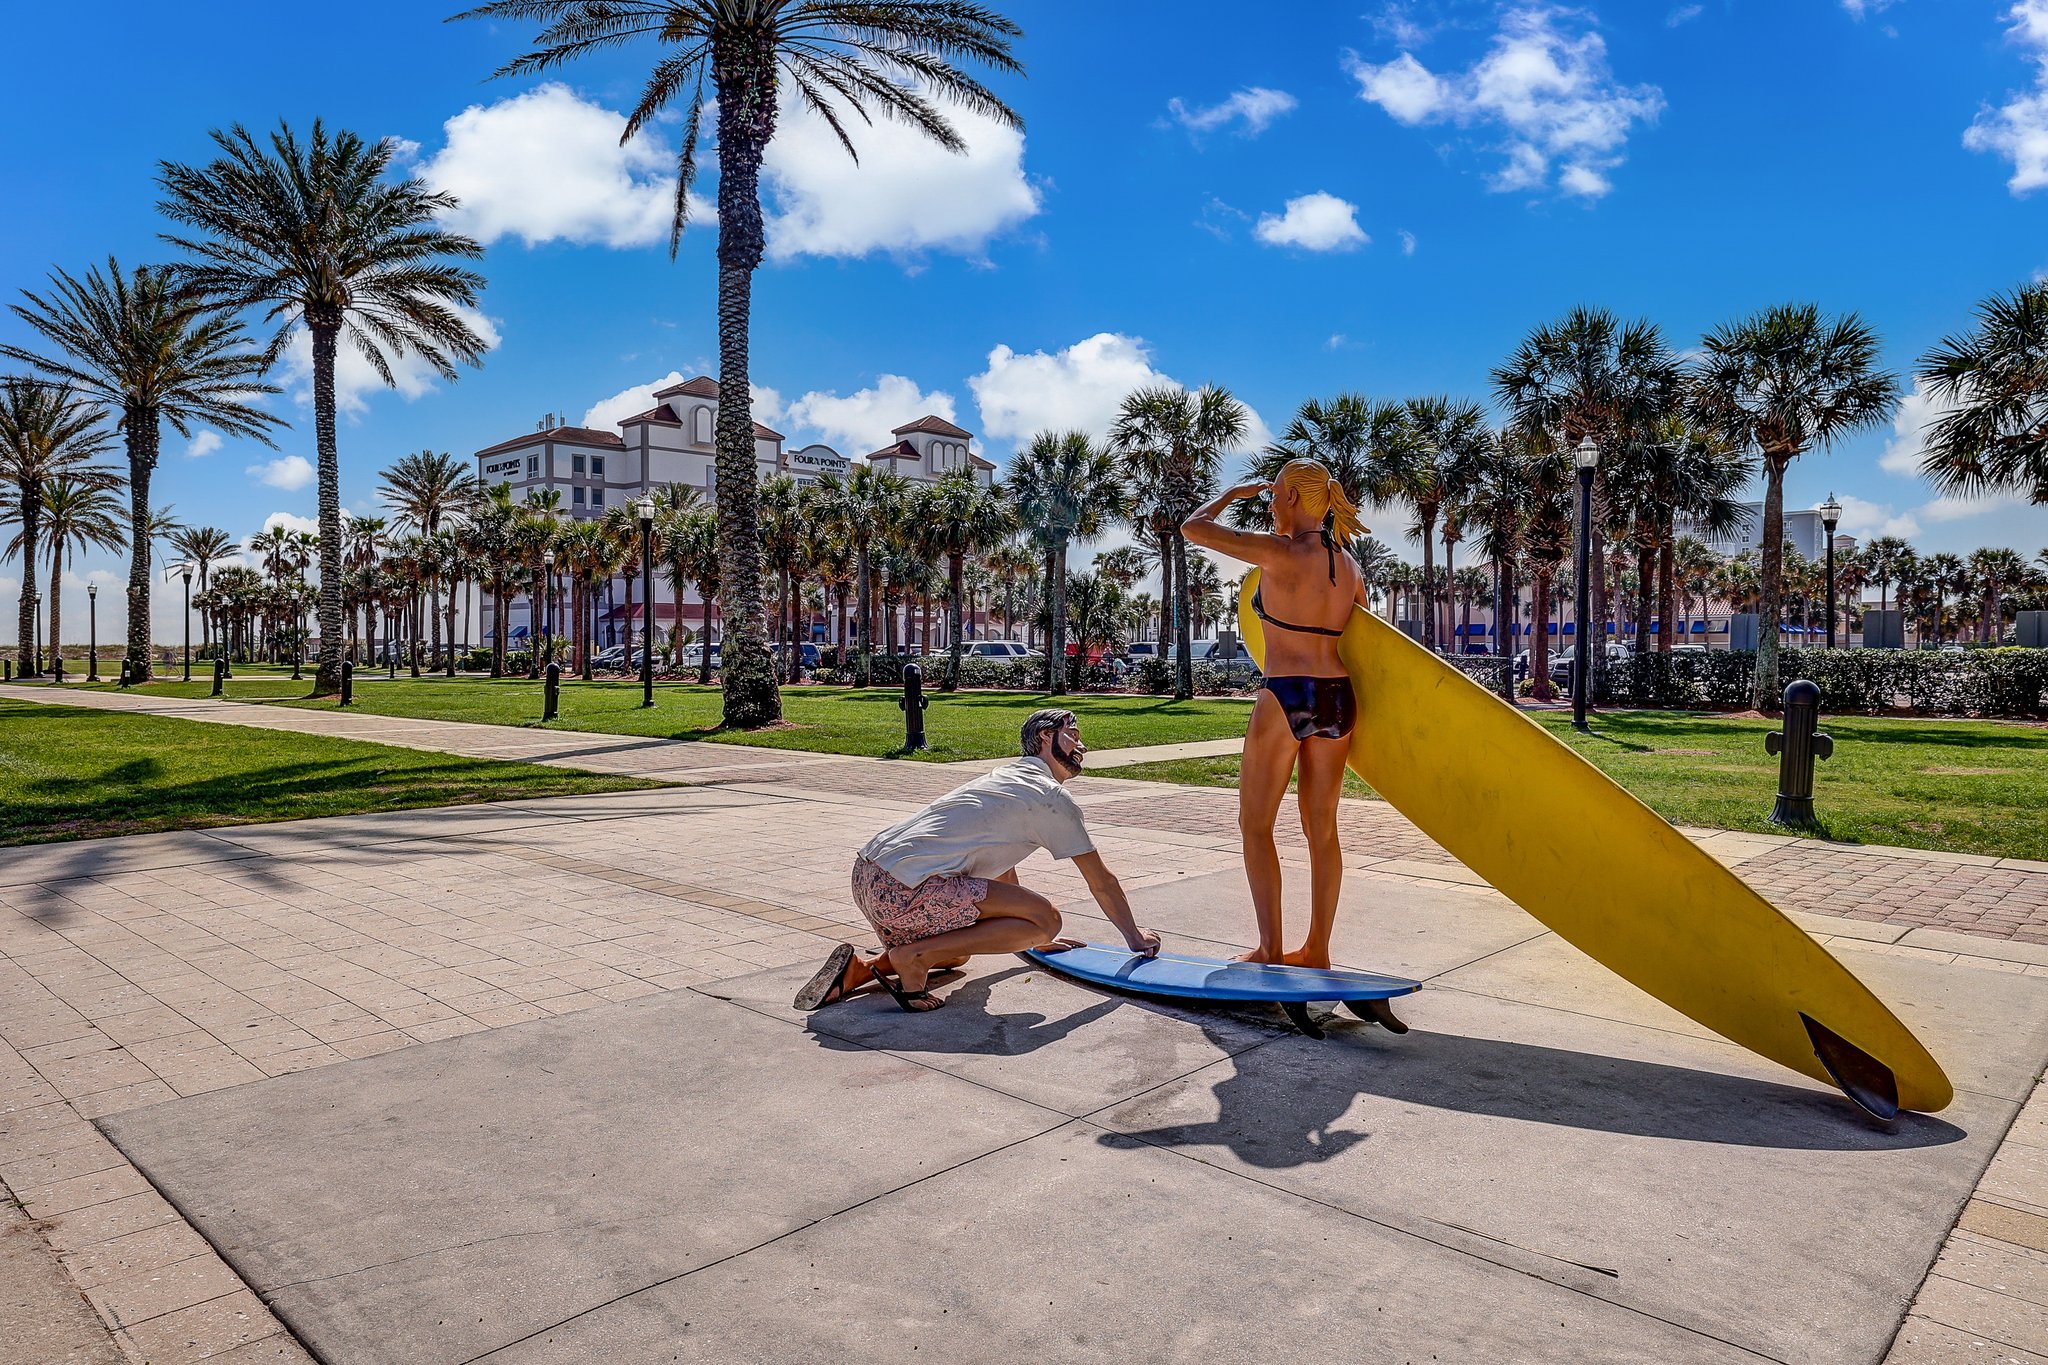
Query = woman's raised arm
x=1205 y=530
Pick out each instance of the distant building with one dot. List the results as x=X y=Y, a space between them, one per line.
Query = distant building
x=1803 y=532
x=673 y=442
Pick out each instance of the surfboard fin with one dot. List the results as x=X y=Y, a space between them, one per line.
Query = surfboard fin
x=1377 y=1012
x=1298 y=1015
x=1867 y=1082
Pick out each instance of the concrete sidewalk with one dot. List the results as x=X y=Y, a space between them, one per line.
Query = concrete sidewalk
x=435 y=1083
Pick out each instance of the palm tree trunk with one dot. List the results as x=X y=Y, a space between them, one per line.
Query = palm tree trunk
x=1772 y=565
x=325 y=326
x=1503 y=629
x=956 y=575
x=56 y=608
x=141 y=427
x=1667 y=592
x=1539 y=642
x=1163 y=534
x=27 y=663
x=704 y=636
x=863 y=616
x=454 y=596
x=1451 y=593
x=1056 y=582
x=1646 y=577
x=1429 y=584
x=1183 y=635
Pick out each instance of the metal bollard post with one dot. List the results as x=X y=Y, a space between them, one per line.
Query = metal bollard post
x=298 y=662
x=220 y=676
x=1797 y=746
x=125 y=666
x=913 y=702
x=348 y=681
x=551 y=691
x=6 y=670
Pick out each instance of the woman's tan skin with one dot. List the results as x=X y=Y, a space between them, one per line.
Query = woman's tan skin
x=1295 y=586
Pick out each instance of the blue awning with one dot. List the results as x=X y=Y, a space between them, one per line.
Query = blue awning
x=518 y=633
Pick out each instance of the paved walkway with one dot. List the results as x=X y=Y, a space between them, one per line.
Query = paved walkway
x=147 y=975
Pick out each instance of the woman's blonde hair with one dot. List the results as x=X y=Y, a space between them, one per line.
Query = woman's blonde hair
x=1322 y=497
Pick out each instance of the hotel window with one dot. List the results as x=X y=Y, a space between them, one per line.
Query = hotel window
x=533 y=466
x=597 y=497
x=597 y=466
x=576 y=495
x=576 y=465
x=701 y=431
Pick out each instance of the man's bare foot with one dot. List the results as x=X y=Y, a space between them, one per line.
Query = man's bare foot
x=1304 y=957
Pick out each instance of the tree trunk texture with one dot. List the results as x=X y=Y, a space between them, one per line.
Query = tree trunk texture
x=956 y=575
x=1429 y=584
x=27 y=663
x=1183 y=636
x=1771 y=562
x=1667 y=593
x=1539 y=642
x=1057 y=581
x=326 y=330
x=141 y=427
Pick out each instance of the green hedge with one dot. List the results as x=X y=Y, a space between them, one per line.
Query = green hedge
x=2002 y=682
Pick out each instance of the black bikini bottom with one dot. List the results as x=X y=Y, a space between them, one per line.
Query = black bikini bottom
x=1317 y=708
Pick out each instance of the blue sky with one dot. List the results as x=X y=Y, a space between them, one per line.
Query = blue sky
x=1346 y=196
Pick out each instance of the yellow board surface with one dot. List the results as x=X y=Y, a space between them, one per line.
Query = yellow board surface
x=1565 y=842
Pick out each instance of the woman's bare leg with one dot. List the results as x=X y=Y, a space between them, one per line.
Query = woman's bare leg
x=1322 y=782
x=1269 y=751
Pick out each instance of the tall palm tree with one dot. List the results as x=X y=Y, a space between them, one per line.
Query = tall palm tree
x=1430 y=469
x=1782 y=381
x=316 y=234
x=1997 y=570
x=844 y=59
x=1172 y=443
x=1493 y=498
x=152 y=350
x=427 y=489
x=1882 y=559
x=964 y=518
x=81 y=513
x=1942 y=574
x=1065 y=488
x=859 y=508
x=1994 y=380
x=47 y=432
x=203 y=547
x=1589 y=375
x=1672 y=470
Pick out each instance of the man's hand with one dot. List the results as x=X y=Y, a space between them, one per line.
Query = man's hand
x=1061 y=945
x=1146 y=944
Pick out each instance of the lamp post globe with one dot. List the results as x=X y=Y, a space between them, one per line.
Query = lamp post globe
x=1831 y=517
x=643 y=512
x=1586 y=459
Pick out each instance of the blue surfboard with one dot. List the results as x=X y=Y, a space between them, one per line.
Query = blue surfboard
x=1188 y=977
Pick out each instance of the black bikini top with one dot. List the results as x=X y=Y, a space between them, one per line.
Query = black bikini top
x=1259 y=610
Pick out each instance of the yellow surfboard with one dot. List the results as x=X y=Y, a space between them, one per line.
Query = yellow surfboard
x=1562 y=840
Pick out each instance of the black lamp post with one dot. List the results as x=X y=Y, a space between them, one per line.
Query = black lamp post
x=644 y=510
x=547 y=608
x=185 y=571
x=92 y=632
x=1830 y=517
x=1587 y=457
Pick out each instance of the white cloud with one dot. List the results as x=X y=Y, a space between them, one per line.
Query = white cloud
x=547 y=166
x=2018 y=129
x=310 y=525
x=353 y=377
x=1684 y=14
x=1407 y=243
x=861 y=421
x=1255 y=106
x=1313 y=222
x=607 y=413
x=289 y=472
x=1336 y=341
x=205 y=443
x=1860 y=9
x=1078 y=388
x=1962 y=509
x=1864 y=518
x=1918 y=410
x=1396 y=23
x=906 y=195
x=1545 y=83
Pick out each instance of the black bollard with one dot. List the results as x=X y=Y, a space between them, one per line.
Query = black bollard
x=124 y=672
x=298 y=662
x=6 y=670
x=348 y=681
x=913 y=702
x=551 y=691
x=220 y=676
x=1797 y=746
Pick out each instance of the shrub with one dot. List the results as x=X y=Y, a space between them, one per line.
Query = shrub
x=1152 y=676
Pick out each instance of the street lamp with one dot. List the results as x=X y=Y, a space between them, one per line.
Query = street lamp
x=92 y=616
x=1830 y=517
x=644 y=511
x=1587 y=458
x=547 y=608
x=185 y=571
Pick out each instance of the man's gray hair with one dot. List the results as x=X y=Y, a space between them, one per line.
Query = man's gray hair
x=1041 y=723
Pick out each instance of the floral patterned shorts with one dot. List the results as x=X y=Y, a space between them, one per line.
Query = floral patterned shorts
x=904 y=914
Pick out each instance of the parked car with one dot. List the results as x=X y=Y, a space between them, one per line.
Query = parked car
x=693 y=655
x=612 y=659
x=1236 y=664
x=999 y=649
x=1143 y=649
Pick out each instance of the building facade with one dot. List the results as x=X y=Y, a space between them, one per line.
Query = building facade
x=673 y=442
x=1803 y=531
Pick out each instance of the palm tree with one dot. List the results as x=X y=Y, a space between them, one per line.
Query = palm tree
x=152 y=350
x=1066 y=488
x=426 y=489
x=1693 y=564
x=47 y=432
x=1673 y=470
x=1430 y=468
x=1172 y=443
x=1375 y=562
x=859 y=508
x=1883 y=558
x=845 y=58
x=1994 y=380
x=203 y=547
x=1589 y=375
x=1494 y=497
x=964 y=518
x=1781 y=382
x=1997 y=570
x=315 y=234
x=686 y=537
x=82 y=513
x=1942 y=574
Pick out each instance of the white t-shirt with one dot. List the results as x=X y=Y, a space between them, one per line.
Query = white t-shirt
x=984 y=828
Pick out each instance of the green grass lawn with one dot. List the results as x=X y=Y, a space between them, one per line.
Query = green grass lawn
x=832 y=720
x=1964 y=786
x=71 y=773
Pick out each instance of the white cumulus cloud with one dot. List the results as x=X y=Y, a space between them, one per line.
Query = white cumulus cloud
x=1860 y=9
x=1077 y=388
x=1407 y=243
x=1544 y=83
x=607 y=413
x=1962 y=509
x=859 y=422
x=1254 y=106
x=354 y=379
x=289 y=472
x=2018 y=129
x=1313 y=222
x=906 y=195
x=1918 y=411
x=1861 y=517
x=547 y=165
x=205 y=443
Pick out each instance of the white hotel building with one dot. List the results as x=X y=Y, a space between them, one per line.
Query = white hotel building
x=672 y=443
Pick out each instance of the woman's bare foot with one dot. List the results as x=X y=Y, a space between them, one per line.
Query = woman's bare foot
x=1262 y=956
x=1304 y=956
